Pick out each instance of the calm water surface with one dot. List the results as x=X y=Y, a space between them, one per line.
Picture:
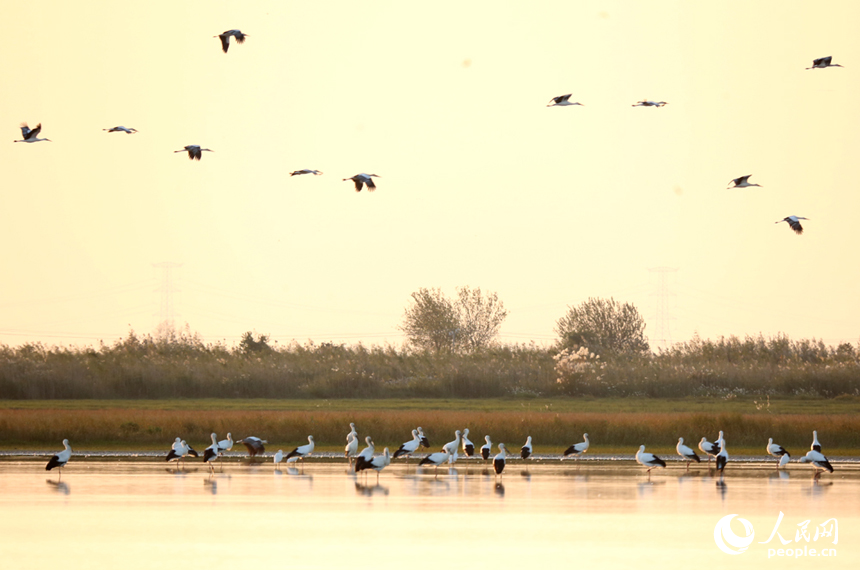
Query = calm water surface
x=133 y=515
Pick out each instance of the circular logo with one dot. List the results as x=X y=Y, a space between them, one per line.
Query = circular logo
x=727 y=540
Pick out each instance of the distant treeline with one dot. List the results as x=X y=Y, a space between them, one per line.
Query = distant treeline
x=182 y=366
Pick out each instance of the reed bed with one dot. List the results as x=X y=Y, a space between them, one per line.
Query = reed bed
x=552 y=432
x=182 y=366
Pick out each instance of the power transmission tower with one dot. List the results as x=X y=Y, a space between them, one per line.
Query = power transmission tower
x=167 y=309
x=663 y=316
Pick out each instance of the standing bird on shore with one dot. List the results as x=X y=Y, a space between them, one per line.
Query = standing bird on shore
x=31 y=135
x=823 y=62
x=793 y=223
x=742 y=182
x=361 y=179
x=254 y=445
x=646 y=103
x=194 y=151
x=302 y=451
x=779 y=452
x=526 y=450
x=499 y=460
x=409 y=447
x=818 y=461
x=179 y=451
x=487 y=448
x=648 y=460
x=61 y=458
x=577 y=449
x=279 y=456
x=709 y=448
x=815 y=445
x=688 y=454
x=225 y=38
x=468 y=446
x=562 y=101
x=305 y=171
x=424 y=441
x=365 y=455
x=121 y=129
x=452 y=446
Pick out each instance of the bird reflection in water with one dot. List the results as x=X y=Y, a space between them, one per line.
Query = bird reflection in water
x=526 y=475
x=722 y=488
x=59 y=486
x=212 y=484
x=499 y=488
x=370 y=490
x=781 y=475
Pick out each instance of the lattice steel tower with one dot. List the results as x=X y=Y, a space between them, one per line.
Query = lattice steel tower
x=663 y=334
x=167 y=309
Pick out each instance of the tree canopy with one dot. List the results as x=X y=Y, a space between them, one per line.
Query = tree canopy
x=604 y=326
x=469 y=322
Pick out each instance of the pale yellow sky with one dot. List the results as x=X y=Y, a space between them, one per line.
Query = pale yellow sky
x=481 y=184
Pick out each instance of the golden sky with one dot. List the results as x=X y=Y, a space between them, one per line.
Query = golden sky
x=481 y=184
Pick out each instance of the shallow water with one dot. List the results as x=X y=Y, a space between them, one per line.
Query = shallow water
x=130 y=515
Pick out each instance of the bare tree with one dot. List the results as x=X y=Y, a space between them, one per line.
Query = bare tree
x=605 y=327
x=434 y=322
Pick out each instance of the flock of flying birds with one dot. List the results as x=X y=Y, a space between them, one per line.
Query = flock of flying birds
x=741 y=182
x=366 y=460
x=195 y=152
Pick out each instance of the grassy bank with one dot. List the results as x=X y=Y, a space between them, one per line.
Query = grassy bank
x=614 y=425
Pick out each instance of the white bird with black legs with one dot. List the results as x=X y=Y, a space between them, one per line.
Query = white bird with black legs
x=254 y=445
x=526 y=450
x=468 y=446
x=823 y=62
x=31 y=135
x=779 y=452
x=646 y=103
x=562 y=101
x=278 y=457
x=408 y=448
x=711 y=449
x=793 y=223
x=425 y=443
x=365 y=455
x=818 y=461
x=377 y=463
x=226 y=444
x=686 y=453
x=302 y=451
x=500 y=459
x=121 y=129
x=815 y=445
x=435 y=459
x=742 y=182
x=362 y=179
x=648 y=460
x=225 y=38
x=577 y=449
x=487 y=448
x=194 y=151
x=61 y=458
x=305 y=171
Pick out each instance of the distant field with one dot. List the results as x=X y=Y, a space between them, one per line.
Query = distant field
x=614 y=425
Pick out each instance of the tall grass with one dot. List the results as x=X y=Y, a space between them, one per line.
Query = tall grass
x=552 y=432
x=182 y=366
